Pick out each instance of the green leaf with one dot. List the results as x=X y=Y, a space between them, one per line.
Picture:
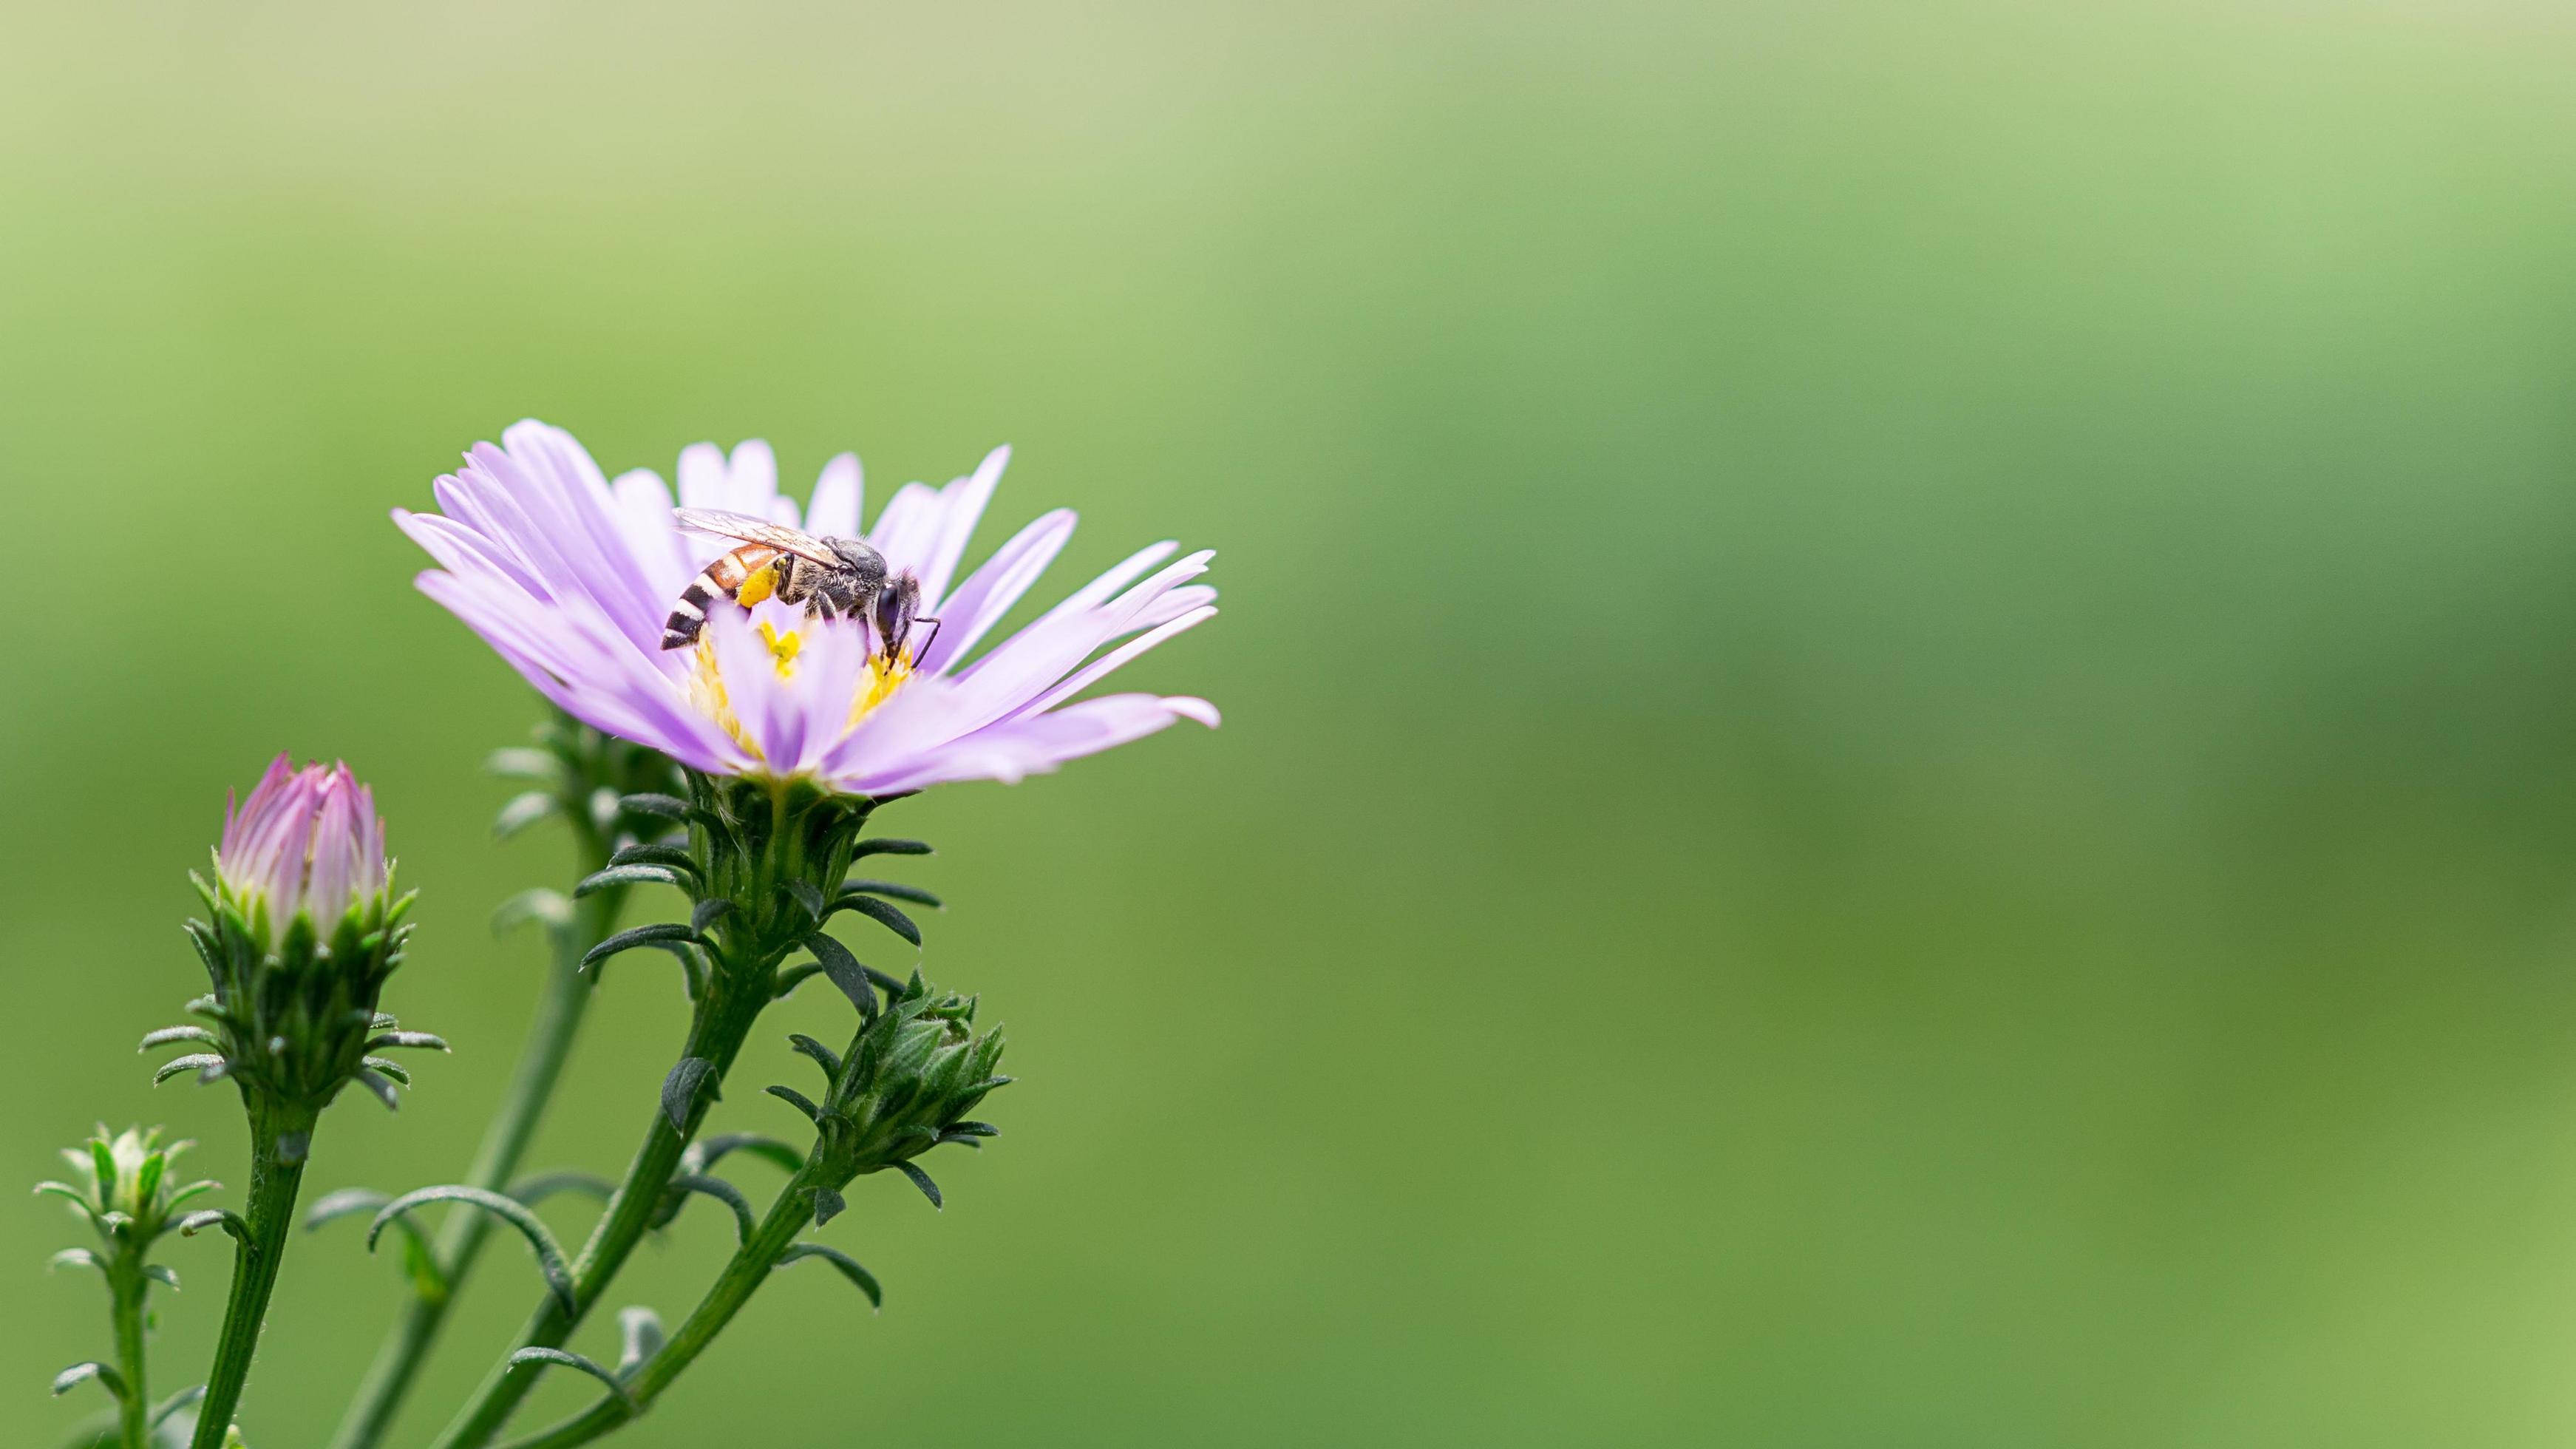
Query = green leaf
x=828 y=1204
x=537 y=1188
x=162 y=1276
x=669 y=807
x=382 y=1086
x=74 y=1258
x=681 y=1088
x=392 y=1069
x=81 y=1373
x=703 y=1155
x=212 y=1218
x=881 y=913
x=550 y=1258
x=667 y=934
x=791 y=977
x=572 y=1360
x=848 y=1266
x=823 y=1056
x=867 y=848
x=724 y=1192
x=649 y=853
x=521 y=763
x=524 y=811
x=629 y=875
x=541 y=905
x=185 y=1398
x=921 y=1179
x=413 y=1040
x=171 y=1035
x=797 y=1100
x=642 y=1330
x=707 y=913
x=894 y=889
x=200 y=1062
x=836 y=962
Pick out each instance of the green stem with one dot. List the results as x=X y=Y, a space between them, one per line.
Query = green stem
x=130 y=1288
x=559 y=1016
x=723 y=1020
x=281 y=1138
x=750 y=1267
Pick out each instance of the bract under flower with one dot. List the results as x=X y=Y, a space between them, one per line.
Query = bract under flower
x=571 y=578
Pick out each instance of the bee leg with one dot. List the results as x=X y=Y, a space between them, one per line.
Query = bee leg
x=924 y=651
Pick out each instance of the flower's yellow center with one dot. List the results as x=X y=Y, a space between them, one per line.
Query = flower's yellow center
x=707 y=686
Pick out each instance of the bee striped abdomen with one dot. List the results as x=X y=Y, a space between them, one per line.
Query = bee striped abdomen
x=725 y=577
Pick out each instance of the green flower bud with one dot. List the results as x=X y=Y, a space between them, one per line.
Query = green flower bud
x=123 y=1185
x=914 y=1072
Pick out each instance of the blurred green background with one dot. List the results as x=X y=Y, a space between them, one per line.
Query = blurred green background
x=1898 y=759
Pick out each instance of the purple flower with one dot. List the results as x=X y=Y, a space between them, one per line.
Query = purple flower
x=306 y=842
x=572 y=577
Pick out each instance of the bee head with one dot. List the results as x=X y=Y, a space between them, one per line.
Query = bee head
x=866 y=566
x=896 y=606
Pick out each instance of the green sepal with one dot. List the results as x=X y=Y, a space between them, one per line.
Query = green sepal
x=667 y=935
x=825 y=1057
x=921 y=1179
x=209 y=1067
x=800 y=1102
x=867 y=848
x=668 y=807
x=74 y=1258
x=616 y=876
x=828 y=1204
x=654 y=853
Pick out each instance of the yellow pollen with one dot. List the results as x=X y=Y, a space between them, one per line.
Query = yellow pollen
x=707 y=687
x=762 y=583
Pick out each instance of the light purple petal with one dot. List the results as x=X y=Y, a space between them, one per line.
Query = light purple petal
x=834 y=512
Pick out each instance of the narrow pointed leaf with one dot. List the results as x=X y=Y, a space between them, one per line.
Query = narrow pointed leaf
x=669 y=807
x=382 y=1086
x=845 y=971
x=828 y=1204
x=522 y=763
x=74 y=1258
x=546 y=907
x=170 y=1035
x=197 y=1222
x=628 y=875
x=176 y=1066
x=540 y=1186
x=921 y=1179
x=848 y=1266
x=572 y=1360
x=892 y=889
x=550 y=1258
x=867 y=848
x=672 y=856
x=810 y=897
x=704 y=1155
x=522 y=812
x=797 y=1100
x=724 y=1192
x=823 y=1056
x=393 y=1069
x=412 y=1040
x=681 y=1088
x=707 y=913
x=661 y=934
x=162 y=1276
x=883 y=914
x=642 y=1330
x=81 y=1373
x=185 y=1398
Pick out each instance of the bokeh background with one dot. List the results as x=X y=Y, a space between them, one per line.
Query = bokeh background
x=1900 y=748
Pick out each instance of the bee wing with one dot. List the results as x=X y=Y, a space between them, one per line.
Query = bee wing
x=756 y=530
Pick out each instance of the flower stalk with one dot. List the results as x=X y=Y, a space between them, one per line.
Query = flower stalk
x=582 y=776
x=132 y=1202
x=281 y=1143
x=910 y=1076
x=765 y=869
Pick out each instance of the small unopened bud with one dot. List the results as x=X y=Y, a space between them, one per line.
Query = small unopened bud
x=305 y=930
x=912 y=1076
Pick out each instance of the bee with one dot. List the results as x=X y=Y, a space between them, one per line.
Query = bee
x=830 y=577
